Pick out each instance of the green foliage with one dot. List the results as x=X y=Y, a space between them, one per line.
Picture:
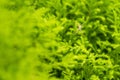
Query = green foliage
x=59 y=40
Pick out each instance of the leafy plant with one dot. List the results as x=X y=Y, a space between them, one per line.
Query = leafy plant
x=59 y=40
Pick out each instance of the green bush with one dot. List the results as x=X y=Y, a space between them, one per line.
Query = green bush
x=59 y=40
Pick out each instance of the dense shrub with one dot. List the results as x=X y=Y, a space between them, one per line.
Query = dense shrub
x=59 y=40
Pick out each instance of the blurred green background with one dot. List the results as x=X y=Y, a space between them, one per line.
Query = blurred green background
x=59 y=39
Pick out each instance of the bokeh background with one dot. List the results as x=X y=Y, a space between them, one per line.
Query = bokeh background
x=59 y=39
